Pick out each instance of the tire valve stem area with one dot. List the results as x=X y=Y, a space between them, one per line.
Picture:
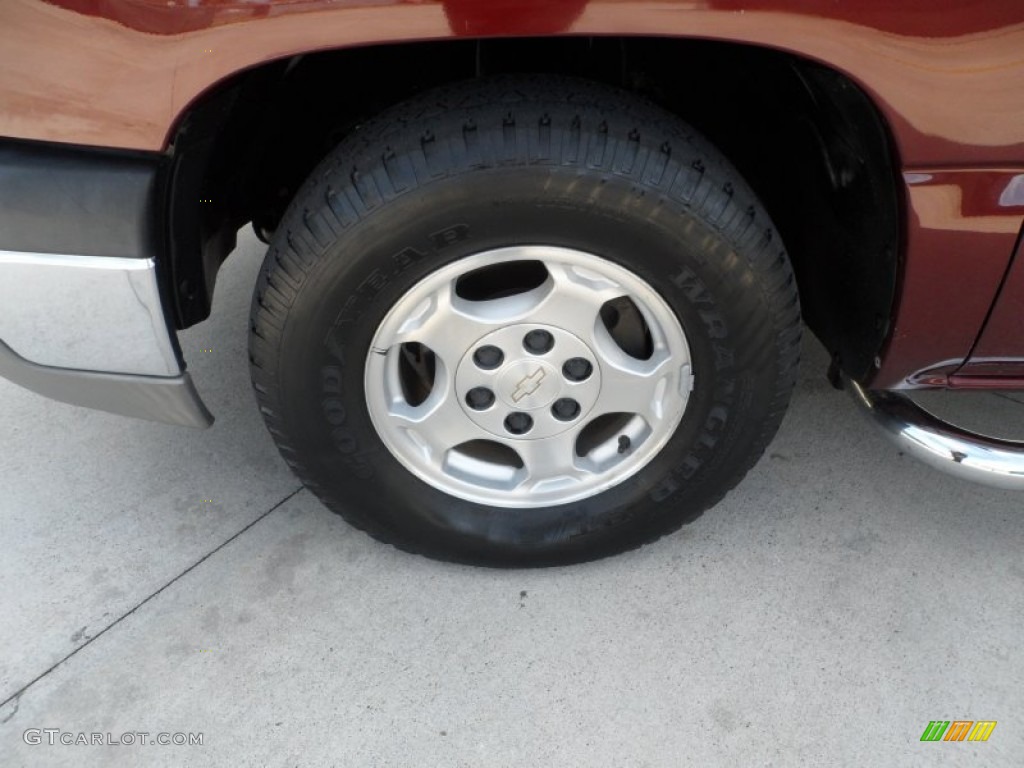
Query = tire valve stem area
x=624 y=443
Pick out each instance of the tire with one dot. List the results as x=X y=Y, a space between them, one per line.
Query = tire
x=585 y=180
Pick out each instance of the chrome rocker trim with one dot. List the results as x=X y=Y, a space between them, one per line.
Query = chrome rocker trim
x=958 y=452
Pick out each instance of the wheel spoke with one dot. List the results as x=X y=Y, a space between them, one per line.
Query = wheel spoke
x=449 y=325
x=551 y=462
x=650 y=388
x=436 y=324
x=434 y=425
x=574 y=298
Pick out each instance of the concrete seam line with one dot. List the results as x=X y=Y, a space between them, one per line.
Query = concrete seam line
x=17 y=694
x=1009 y=398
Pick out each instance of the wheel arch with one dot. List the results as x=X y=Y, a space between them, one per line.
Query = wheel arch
x=811 y=141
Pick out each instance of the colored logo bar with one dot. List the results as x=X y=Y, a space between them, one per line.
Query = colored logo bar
x=958 y=730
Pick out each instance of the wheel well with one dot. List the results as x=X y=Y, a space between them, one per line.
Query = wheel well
x=809 y=140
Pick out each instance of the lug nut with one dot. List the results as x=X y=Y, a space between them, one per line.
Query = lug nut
x=538 y=342
x=518 y=423
x=577 y=369
x=488 y=357
x=565 y=409
x=479 y=398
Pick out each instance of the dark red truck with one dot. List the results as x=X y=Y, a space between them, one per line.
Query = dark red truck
x=537 y=271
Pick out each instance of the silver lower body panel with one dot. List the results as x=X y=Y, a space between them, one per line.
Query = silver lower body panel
x=92 y=313
x=169 y=399
x=91 y=331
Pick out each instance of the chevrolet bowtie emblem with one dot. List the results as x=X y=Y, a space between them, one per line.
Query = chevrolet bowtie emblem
x=528 y=384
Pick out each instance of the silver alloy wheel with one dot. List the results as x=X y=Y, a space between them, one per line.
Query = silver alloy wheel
x=514 y=382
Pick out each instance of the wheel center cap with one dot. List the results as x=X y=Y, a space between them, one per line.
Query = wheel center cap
x=520 y=388
x=528 y=384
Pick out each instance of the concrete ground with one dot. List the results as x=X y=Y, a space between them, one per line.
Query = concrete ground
x=156 y=579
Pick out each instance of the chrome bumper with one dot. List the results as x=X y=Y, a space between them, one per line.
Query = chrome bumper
x=968 y=455
x=91 y=331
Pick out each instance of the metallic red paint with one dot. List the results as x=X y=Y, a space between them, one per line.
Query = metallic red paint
x=959 y=237
x=999 y=352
